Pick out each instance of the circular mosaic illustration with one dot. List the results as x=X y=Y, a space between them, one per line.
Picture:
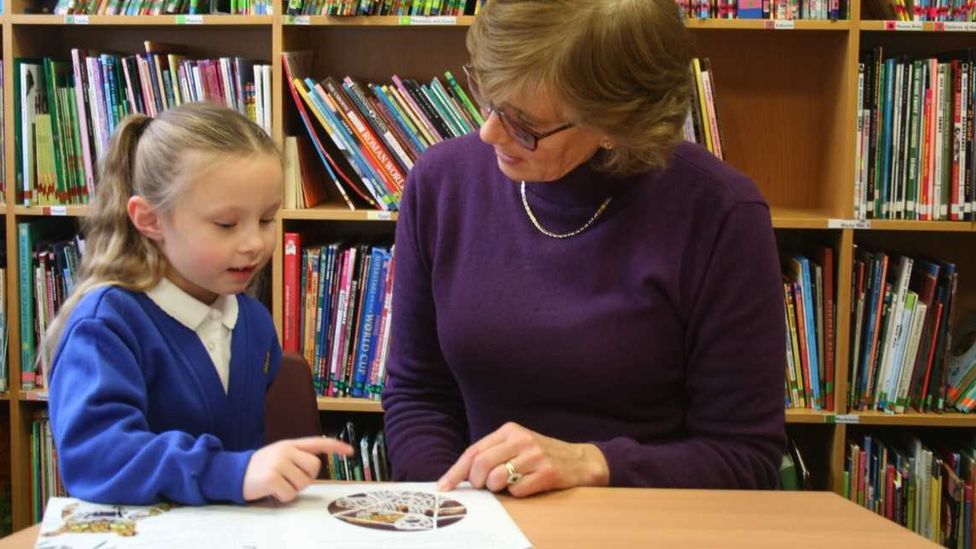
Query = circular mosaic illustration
x=399 y=511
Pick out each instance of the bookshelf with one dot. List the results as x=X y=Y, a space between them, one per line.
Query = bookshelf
x=786 y=94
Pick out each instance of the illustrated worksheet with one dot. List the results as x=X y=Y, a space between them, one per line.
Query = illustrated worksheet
x=334 y=516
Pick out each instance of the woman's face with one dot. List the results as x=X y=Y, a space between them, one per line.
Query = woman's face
x=555 y=155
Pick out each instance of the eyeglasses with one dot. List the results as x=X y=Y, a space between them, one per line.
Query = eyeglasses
x=522 y=135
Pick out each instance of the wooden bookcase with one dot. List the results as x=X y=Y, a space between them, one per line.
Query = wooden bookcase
x=786 y=94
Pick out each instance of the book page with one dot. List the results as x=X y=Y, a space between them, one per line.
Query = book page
x=346 y=515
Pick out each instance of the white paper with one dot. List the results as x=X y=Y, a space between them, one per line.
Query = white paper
x=340 y=516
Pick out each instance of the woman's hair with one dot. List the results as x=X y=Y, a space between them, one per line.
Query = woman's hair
x=154 y=158
x=618 y=66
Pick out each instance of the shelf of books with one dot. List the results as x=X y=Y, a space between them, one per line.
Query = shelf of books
x=145 y=20
x=54 y=210
x=377 y=20
x=336 y=404
x=336 y=212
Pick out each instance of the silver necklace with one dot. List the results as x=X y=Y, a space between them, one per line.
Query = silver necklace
x=550 y=234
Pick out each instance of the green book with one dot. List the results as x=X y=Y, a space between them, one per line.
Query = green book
x=459 y=91
x=53 y=74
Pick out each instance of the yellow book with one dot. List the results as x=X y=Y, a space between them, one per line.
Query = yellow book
x=799 y=385
x=706 y=133
x=292 y=174
x=47 y=177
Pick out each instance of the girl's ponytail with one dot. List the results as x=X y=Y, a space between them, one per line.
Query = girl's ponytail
x=114 y=249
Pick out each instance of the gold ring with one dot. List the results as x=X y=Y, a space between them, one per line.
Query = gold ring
x=513 y=474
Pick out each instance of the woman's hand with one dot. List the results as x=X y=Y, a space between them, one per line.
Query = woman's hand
x=286 y=467
x=544 y=463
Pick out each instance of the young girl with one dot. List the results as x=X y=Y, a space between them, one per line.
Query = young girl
x=160 y=362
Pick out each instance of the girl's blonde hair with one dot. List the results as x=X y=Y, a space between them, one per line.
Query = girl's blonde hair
x=618 y=66
x=154 y=158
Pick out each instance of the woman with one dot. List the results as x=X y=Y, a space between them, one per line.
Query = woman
x=582 y=300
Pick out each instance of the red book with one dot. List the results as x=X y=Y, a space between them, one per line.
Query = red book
x=955 y=206
x=929 y=359
x=292 y=278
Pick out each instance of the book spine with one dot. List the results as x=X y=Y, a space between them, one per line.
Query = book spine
x=25 y=243
x=388 y=168
x=291 y=283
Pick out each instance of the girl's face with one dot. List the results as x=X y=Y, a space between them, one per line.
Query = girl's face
x=221 y=231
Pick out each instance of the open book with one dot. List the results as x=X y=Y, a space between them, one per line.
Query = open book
x=346 y=515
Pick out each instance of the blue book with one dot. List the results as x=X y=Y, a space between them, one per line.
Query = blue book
x=802 y=273
x=26 y=236
x=343 y=139
x=373 y=390
x=367 y=325
x=108 y=87
x=397 y=116
x=877 y=297
x=322 y=321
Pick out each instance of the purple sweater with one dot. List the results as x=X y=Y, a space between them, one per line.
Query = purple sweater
x=657 y=334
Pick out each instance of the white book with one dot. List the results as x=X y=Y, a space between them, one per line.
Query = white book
x=349 y=515
x=893 y=333
x=227 y=84
x=894 y=376
x=940 y=130
x=894 y=172
x=911 y=354
x=960 y=198
x=266 y=76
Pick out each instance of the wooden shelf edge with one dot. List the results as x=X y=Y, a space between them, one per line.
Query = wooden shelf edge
x=784 y=218
x=349 y=405
x=917 y=419
x=916 y=26
x=32 y=396
x=157 y=20
x=337 y=213
x=903 y=225
x=768 y=24
x=803 y=415
x=51 y=211
x=377 y=21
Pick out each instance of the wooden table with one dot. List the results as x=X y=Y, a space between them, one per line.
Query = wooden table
x=661 y=519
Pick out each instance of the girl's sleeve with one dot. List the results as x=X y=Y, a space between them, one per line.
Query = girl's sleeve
x=107 y=453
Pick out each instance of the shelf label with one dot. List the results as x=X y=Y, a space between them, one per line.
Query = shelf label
x=56 y=210
x=849 y=419
x=848 y=223
x=428 y=20
x=780 y=24
x=298 y=20
x=75 y=19
x=955 y=26
x=379 y=216
x=189 y=19
x=903 y=25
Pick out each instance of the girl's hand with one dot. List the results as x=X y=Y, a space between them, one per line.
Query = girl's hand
x=544 y=463
x=283 y=469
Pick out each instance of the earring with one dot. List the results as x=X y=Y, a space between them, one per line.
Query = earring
x=606 y=144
